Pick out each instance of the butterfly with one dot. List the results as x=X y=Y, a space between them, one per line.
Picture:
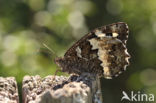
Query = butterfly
x=102 y=52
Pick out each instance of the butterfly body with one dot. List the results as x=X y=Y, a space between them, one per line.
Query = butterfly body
x=102 y=52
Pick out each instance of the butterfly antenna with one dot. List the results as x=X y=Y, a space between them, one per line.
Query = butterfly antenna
x=57 y=70
x=50 y=49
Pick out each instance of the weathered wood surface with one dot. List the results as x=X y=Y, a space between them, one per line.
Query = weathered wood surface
x=8 y=90
x=59 y=89
x=72 y=89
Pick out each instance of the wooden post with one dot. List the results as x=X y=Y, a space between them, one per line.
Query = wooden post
x=8 y=90
x=59 y=89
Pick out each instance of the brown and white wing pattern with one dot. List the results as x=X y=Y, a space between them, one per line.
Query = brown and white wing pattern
x=102 y=51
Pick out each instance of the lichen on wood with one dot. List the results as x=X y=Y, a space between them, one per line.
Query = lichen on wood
x=8 y=90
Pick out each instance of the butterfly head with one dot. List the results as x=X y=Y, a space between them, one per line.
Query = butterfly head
x=62 y=63
x=59 y=61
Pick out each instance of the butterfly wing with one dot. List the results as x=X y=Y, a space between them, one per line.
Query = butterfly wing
x=113 y=55
x=101 y=51
x=119 y=29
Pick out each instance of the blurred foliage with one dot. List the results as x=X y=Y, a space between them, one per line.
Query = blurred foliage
x=26 y=24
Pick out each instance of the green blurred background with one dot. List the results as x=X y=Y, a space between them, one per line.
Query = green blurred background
x=26 y=24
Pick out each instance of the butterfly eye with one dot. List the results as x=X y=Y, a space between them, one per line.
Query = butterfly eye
x=108 y=34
